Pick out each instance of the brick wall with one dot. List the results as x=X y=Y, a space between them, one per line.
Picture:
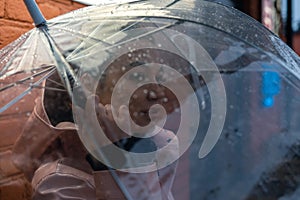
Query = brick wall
x=14 y=21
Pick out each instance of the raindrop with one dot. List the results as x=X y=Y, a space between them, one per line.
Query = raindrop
x=17 y=108
x=129 y=55
x=135 y=96
x=159 y=45
x=152 y=94
x=165 y=100
x=145 y=91
x=28 y=114
x=123 y=68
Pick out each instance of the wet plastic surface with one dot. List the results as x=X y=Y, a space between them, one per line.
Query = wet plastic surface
x=228 y=86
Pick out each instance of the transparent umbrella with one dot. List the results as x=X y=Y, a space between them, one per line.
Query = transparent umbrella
x=235 y=82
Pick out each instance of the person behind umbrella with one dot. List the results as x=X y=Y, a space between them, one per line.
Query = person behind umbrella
x=64 y=167
x=150 y=185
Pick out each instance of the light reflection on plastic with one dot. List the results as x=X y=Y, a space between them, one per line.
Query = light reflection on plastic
x=270 y=87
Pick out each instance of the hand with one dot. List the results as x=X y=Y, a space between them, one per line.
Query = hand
x=114 y=128
x=95 y=123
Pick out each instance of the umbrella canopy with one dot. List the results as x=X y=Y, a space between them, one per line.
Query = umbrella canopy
x=238 y=98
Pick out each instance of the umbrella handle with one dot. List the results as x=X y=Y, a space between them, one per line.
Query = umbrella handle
x=35 y=13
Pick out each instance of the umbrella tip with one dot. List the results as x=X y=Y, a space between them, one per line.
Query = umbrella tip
x=35 y=13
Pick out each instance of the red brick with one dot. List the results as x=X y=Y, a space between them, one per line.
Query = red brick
x=17 y=19
x=15 y=189
x=67 y=2
x=40 y=1
x=49 y=10
x=11 y=30
x=2 y=11
x=77 y=5
x=10 y=130
x=17 y=11
x=55 y=8
x=14 y=23
x=7 y=168
x=66 y=8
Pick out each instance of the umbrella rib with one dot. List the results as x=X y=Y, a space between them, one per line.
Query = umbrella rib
x=115 y=176
x=23 y=80
x=146 y=34
x=44 y=87
x=66 y=74
x=52 y=88
x=73 y=55
x=12 y=51
x=55 y=82
x=19 y=97
x=134 y=38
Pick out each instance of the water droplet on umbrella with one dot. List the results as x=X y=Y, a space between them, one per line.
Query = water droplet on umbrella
x=152 y=94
